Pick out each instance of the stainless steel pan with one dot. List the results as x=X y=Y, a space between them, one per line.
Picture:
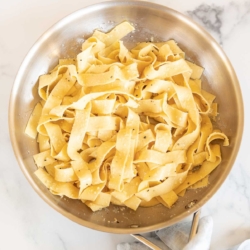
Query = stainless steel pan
x=151 y=21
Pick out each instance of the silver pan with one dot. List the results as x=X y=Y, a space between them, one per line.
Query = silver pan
x=151 y=21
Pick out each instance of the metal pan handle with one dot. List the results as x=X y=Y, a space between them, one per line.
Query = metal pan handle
x=195 y=224
x=193 y=231
x=146 y=242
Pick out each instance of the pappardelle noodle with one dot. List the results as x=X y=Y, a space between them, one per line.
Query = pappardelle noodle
x=128 y=127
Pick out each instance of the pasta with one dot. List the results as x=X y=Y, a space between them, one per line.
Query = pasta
x=128 y=127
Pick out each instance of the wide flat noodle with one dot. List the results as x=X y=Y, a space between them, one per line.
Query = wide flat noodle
x=33 y=121
x=128 y=127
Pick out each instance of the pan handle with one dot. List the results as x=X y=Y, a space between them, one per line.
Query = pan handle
x=193 y=231
x=146 y=242
x=195 y=224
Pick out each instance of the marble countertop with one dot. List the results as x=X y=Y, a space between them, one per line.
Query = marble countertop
x=26 y=221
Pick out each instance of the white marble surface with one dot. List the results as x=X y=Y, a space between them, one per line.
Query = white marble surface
x=26 y=221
